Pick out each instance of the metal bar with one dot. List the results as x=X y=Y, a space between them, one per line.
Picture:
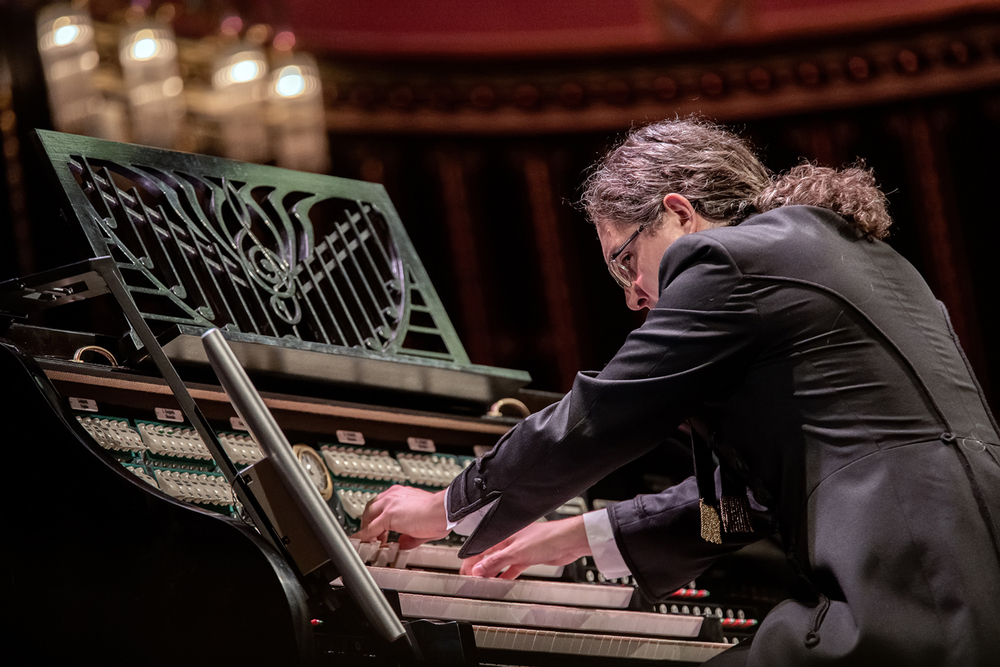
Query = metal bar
x=159 y=288
x=199 y=322
x=229 y=267
x=228 y=313
x=106 y=268
x=132 y=217
x=350 y=284
x=157 y=231
x=309 y=305
x=373 y=234
x=361 y=272
x=256 y=294
x=409 y=352
x=305 y=265
x=427 y=330
x=251 y=409
x=99 y=192
x=371 y=225
x=146 y=290
x=190 y=269
x=118 y=197
x=333 y=283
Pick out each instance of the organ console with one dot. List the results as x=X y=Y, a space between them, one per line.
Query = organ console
x=140 y=519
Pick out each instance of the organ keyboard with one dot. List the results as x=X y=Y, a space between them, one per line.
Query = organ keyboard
x=534 y=618
x=173 y=475
x=528 y=645
x=520 y=590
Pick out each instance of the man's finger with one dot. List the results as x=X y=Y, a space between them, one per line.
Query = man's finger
x=513 y=572
x=479 y=570
x=469 y=563
x=370 y=512
x=407 y=542
x=372 y=529
x=491 y=565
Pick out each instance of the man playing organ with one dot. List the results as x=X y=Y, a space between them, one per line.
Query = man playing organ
x=813 y=361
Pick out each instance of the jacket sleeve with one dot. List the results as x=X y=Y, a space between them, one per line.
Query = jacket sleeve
x=703 y=333
x=659 y=537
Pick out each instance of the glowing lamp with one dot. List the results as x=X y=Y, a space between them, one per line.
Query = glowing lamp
x=298 y=123
x=242 y=67
x=148 y=56
x=238 y=82
x=66 y=46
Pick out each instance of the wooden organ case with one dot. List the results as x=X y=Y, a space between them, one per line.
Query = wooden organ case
x=133 y=528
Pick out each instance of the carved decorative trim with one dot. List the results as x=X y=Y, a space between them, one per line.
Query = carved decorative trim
x=450 y=29
x=583 y=95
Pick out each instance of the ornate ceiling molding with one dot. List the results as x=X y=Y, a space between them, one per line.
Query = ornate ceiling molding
x=572 y=28
x=544 y=96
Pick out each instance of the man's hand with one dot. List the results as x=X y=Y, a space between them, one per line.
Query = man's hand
x=549 y=543
x=418 y=516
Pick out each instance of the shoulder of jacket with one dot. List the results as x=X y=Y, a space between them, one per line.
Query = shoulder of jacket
x=759 y=244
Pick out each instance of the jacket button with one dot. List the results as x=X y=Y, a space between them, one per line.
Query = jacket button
x=973 y=445
x=948 y=437
x=480 y=483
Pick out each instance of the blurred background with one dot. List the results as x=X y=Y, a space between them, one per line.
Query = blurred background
x=481 y=119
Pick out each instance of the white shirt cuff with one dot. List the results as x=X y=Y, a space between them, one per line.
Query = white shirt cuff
x=468 y=523
x=601 y=539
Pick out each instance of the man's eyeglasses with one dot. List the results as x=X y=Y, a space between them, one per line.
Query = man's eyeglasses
x=622 y=274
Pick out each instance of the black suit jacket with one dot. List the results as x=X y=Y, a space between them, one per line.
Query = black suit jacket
x=829 y=378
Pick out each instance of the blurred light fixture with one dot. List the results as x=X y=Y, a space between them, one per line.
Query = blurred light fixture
x=298 y=123
x=243 y=66
x=231 y=26
x=291 y=81
x=284 y=41
x=65 y=34
x=66 y=46
x=148 y=56
x=238 y=84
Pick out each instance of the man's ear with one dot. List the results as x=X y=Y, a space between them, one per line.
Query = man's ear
x=684 y=210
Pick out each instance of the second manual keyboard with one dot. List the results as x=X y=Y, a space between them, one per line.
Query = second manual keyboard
x=531 y=621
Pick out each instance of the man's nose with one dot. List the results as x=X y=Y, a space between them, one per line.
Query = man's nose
x=636 y=298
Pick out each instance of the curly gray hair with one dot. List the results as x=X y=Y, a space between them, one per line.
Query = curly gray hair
x=723 y=179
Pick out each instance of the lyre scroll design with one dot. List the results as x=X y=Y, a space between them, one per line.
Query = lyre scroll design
x=255 y=257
